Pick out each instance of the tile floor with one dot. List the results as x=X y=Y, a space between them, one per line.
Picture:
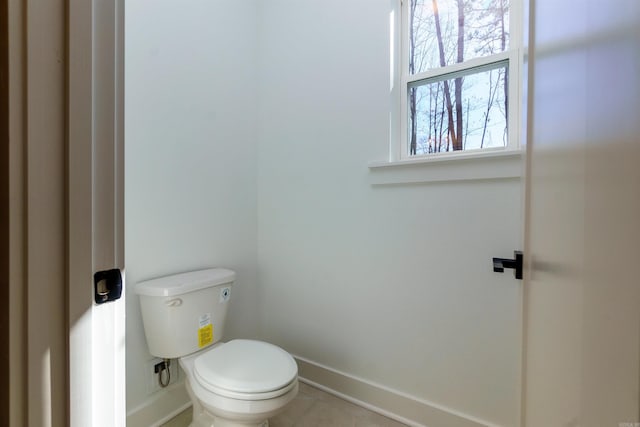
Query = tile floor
x=314 y=408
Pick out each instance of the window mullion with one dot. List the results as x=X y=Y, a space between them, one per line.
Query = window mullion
x=514 y=119
x=404 y=117
x=459 y=67
x=404 y=63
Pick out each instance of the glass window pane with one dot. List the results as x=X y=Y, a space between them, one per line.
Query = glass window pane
x=444 y=32
x=462 y=112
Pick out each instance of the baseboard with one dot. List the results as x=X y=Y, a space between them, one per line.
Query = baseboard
x=393 y=404
x=160 y=408
x=388 y=402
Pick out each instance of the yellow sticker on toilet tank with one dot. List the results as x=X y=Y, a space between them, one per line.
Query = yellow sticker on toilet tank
x=205 y=335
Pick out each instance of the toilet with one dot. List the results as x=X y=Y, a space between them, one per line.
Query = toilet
x=231 y=384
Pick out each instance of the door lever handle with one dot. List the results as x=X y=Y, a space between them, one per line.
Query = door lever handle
x=499 y=264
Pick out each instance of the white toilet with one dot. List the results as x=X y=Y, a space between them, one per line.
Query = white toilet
x=232 y=384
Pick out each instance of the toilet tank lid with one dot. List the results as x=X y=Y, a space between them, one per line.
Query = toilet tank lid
x=183 y=283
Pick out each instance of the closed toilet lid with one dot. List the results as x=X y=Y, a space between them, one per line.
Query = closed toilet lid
x=245 y=366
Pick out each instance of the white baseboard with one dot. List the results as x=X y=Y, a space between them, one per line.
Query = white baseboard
x=160 y=408
x=393 y=404
x=388 y=402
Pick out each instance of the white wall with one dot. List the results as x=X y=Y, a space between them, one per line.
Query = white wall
x=392 y=284
x=190 y=155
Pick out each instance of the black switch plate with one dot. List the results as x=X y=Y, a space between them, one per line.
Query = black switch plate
x=107 y=285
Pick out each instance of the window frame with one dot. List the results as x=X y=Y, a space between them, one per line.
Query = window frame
x=401 y=81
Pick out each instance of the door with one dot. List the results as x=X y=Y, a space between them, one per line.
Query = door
x=582 y=289
x=95 y=212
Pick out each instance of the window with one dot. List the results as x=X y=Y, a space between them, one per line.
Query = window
x=459 y=74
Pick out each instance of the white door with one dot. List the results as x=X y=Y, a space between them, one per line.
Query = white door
x=582 y=287
x=95 y=211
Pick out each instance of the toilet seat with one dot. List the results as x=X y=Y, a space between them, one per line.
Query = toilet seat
x=246 y=370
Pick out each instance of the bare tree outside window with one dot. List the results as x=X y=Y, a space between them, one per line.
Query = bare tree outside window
x=465 y=109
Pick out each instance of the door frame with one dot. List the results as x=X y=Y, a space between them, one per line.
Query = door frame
x=95 y=225
x=65 y=110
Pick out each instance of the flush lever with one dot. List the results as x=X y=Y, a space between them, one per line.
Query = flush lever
x=499 y=264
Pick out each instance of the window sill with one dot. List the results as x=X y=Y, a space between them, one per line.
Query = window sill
x=469 y=166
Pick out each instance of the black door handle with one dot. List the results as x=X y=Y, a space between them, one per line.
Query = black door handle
x=499 y=264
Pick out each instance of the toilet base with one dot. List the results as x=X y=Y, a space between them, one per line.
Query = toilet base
x=201 y=418
x=210 y=422
x=217 y=417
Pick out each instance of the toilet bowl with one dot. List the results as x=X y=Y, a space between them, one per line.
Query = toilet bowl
x=240 y=383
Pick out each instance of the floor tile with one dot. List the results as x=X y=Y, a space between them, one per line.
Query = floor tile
x=313 y=407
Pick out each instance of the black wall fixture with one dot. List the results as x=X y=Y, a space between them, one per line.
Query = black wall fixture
x=499 y=264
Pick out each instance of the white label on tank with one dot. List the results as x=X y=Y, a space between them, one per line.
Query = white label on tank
x=225 y=294
x=205 y=320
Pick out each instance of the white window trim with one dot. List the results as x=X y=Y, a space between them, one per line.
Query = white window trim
x=400 y=78
x=488 y=165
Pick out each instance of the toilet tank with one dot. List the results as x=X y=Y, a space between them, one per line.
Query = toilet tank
x=186 y=312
